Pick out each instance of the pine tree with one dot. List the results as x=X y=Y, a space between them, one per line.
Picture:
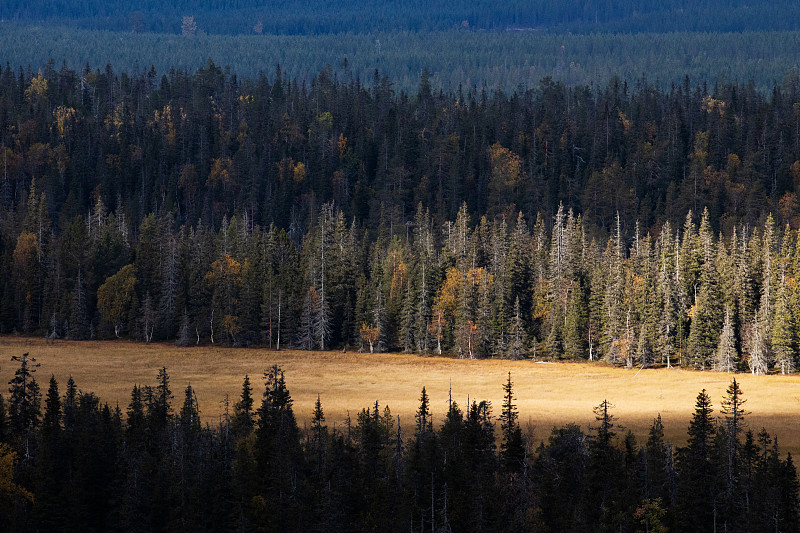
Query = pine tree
x=321 y=322
x=607 y=423
x=669 y=287
x=407 y=320
x=701 y=427
x=595 y=327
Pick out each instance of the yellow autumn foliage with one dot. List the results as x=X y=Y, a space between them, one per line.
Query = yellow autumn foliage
x=447 y=297
x=8 y=489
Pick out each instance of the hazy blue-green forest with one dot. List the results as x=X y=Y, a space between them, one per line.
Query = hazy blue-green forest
x=341 y=16
x=452 y=58
x=510 y=44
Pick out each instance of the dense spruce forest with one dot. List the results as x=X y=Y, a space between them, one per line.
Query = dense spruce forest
x=78 y=463
x=631 y=224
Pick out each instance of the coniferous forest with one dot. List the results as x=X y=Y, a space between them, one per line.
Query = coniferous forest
x=525 y=181
x=629 y=224
x=81 y=464
x=569 y=181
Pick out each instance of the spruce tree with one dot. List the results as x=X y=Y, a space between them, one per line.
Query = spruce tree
x=278 y=455
x=423 y=415
x=319 y=433
x=605 y=468
x=516 y=340
x=159 y=408
x=51 y=421
x=79 y=323
x=655 y=472
x=512 y=447
x=306 y=330
x=732 y=408
x=24 y=405
x=696 y=496
x=706 y=321
x=190 y=414
x=726 y=357
x=135 y=427
x=242 y=423
x=759 y=356
x=784 y=338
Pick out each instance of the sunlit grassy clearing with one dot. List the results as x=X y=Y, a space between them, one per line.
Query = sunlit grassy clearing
x=548 y=393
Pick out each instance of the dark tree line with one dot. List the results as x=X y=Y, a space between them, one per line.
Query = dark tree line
x=70 y=461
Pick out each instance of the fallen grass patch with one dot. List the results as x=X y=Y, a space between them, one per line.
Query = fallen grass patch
x=547 y=394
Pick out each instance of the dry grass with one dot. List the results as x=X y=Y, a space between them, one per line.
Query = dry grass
x=548 y=394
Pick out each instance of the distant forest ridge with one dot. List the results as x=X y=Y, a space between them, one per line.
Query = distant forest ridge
x=453 y=58
x=303 y=17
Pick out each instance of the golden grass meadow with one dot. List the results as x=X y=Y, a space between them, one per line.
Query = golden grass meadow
x=548 y=394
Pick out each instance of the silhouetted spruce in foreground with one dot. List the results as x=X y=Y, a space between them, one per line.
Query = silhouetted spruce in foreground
x=81 y=464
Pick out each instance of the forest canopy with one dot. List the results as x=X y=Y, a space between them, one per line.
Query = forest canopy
x=629 y=223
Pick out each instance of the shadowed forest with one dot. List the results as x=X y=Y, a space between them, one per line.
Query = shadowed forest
x=155 y=467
